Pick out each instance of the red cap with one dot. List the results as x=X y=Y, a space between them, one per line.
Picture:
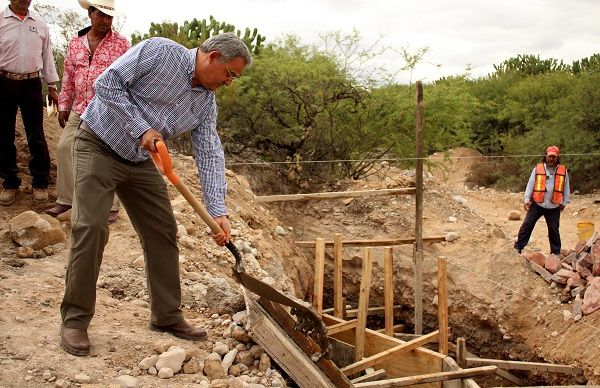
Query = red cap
x=552 y=150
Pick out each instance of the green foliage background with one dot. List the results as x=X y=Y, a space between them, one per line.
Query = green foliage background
x=328 y=102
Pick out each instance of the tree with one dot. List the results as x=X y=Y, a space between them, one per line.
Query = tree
x=68 y=22
x=297 y=102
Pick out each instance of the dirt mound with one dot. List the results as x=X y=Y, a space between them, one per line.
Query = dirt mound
x=502 y=308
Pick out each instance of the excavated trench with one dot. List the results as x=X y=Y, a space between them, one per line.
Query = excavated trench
x=484 y=337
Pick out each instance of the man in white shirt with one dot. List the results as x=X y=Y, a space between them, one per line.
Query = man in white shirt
x=25 y=59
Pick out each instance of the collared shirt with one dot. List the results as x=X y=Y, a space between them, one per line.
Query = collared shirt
x=150 y=86
x=81 y=68
x=25 y=46
x=550 y=175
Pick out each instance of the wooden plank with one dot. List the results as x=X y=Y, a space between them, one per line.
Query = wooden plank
x=282 y=349
x=465 y=353
x=334 y=195
x=418 y=247
x=417 y=361
x=430 y=378
x=450 y=365
x=352 y=313
x=338 y=270
x=396 y=329
x=388 y=289
x=363 y=303
x=389 y=353
x=443 y=305
x=371 y=243
x=339 y=327
x=319 y=275
x=377 y=375
x=410 y=337
x=523 y=365
x=307 y=345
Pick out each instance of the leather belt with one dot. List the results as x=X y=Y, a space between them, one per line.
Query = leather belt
x=19 y=77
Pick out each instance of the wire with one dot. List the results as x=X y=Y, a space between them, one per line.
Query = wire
x=429 y=158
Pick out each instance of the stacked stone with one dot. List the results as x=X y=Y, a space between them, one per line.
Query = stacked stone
x=576 y=271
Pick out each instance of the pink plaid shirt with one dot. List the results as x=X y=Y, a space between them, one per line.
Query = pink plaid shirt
x=81 y=70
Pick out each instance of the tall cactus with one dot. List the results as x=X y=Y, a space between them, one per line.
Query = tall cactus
x=193 y=33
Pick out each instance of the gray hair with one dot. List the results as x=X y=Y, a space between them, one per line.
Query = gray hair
x=229 y=45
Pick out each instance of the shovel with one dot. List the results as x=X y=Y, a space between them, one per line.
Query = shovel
x=308 y=321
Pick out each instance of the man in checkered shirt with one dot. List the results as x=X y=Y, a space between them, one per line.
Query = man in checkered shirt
x=158 y=89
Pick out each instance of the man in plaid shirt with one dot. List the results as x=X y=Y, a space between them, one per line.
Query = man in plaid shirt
x=156 y=90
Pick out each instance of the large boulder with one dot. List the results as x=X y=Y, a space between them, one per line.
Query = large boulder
x=37 y=231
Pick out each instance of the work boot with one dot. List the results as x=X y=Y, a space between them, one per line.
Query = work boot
x=40 y=195
x=75 y=341
x=58 y=210
x=8 y=196
x=183 y=330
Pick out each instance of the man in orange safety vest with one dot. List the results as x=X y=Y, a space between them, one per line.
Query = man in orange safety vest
x=547 y=194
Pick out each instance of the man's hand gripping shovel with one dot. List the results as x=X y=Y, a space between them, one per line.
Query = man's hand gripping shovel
x=308 y=320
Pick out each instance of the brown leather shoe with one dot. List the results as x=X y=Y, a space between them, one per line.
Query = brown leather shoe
x=183 y=330
x=8 y=196
x=58 y=210
x=75 y=341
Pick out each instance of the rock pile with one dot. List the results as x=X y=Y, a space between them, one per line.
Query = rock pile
x=576 y=271
x=233 y=362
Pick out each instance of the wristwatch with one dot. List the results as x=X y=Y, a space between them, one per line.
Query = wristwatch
x=52 y=86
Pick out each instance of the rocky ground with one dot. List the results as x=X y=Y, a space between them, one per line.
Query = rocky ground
x=503 y=309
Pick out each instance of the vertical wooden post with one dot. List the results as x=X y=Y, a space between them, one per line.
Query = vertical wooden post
x=319 y=274
x=363 y=304
x=443 y=305
x=338 y=297
x=388 y=289
x=461 y=352
x=418 y=247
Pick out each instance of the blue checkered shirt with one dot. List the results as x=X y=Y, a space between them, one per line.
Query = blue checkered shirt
x=150 y=86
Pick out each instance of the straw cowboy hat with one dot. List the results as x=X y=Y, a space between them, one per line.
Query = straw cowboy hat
x=104 y=6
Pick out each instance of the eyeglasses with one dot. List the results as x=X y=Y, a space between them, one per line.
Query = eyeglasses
x=230 y=74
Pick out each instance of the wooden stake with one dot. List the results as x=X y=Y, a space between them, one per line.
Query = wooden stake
x=443 y=305
x=363 y=304
x=388 y=270
x=461 y=352
x=418 y=247
x=338 y=270
x=319 y=274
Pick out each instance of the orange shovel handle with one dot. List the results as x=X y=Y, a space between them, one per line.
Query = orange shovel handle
x=163 y=162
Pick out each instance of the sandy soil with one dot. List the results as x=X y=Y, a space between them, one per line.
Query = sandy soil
x=501 y=307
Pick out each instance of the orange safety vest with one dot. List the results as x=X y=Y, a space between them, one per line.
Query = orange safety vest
x=539 y=187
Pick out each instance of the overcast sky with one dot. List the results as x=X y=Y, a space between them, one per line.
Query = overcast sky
x=459 y=33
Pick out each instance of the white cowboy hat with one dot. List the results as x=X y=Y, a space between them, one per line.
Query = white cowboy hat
x=104 y=6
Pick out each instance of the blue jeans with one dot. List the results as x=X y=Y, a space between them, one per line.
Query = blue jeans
x=534 y=213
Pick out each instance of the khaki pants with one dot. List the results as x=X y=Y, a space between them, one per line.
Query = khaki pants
x=99 y=173
x=64 y=163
